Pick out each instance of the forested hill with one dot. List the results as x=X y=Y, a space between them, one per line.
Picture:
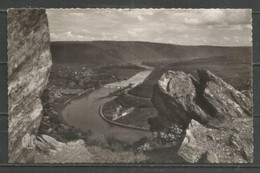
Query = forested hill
x=114 y=52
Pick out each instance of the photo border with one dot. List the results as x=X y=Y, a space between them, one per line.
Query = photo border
x=252 y=4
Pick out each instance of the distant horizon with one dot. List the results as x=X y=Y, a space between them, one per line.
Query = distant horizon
x=145 y=42
x=216 y=27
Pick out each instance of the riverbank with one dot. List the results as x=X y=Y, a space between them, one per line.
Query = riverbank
x=128 y=110
x=69 y=81
x=141 y=110
x=65 y=88
x=133 y=81
x=120 y=124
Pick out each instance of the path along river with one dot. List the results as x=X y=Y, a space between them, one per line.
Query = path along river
x=83 y=112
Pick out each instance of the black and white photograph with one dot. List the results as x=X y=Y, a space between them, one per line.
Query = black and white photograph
x=137 y=86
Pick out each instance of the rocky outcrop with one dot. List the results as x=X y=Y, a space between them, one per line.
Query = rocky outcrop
x=49 y=150
x=174 y=97
x=29 y=62
x=209 y=120
x=221 y=101
x=224 y=145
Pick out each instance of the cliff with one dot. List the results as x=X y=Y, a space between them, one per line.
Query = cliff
x=29 y=63
x=205 y=121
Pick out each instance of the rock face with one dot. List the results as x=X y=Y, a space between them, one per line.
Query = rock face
x=221 y=101
x=29 y=63
x=174 y=97
x=174 y=85
x=209 y=120
x=225 y=145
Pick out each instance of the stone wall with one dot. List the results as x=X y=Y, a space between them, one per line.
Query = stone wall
x=29 y=63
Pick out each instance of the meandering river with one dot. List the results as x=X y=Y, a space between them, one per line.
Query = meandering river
x=83 y=112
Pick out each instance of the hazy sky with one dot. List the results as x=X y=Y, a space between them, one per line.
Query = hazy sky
x=222 y=27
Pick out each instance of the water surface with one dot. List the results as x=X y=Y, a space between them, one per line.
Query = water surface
x=83 y=113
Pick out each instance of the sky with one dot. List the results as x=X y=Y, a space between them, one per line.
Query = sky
x=219 y=27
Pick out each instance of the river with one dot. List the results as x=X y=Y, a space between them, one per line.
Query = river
x=83 y=113
x=135 y=80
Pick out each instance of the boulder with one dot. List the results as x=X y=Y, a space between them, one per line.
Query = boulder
x=174 y=96
x=221 y=101
x=47 y=143
x=225 y=145
x=209 y=120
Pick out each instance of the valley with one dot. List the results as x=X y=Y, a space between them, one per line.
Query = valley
x=119 y=80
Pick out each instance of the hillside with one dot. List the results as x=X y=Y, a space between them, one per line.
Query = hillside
x=117 y=52
x=233 y=69
x=233 y=64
